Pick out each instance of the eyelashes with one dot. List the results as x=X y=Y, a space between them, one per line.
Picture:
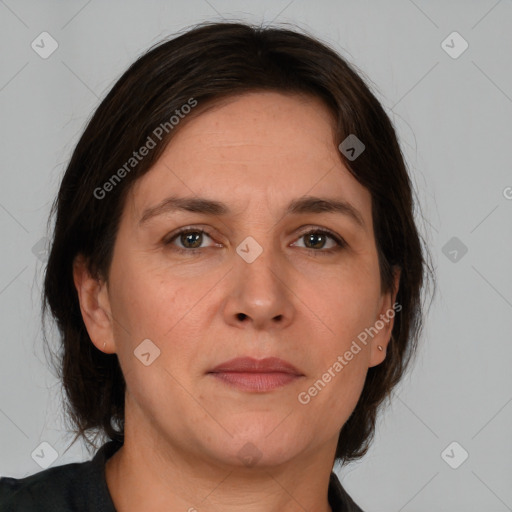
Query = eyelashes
x=322 y=232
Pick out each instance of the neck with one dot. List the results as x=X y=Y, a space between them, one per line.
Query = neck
x=143 y=475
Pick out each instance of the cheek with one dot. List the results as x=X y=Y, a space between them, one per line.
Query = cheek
x=347 y=390
x=346 y=304
x=330 y=397
x=344 y=301
x=150 y=308
x=165 y=307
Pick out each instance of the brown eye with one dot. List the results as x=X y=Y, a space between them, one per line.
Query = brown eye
x=315 y=241
x=190 y=240
x=194 y=238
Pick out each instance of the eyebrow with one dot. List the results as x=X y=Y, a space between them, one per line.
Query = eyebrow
x=302 y=205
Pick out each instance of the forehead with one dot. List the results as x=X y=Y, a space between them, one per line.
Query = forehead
x=262 y=149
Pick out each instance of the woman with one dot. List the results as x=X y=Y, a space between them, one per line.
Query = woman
x=235 y=273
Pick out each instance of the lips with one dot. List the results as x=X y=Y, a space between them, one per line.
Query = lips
x=251 y=365
x=256 y=375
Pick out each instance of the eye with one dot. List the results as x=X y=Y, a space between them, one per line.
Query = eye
x=191 y=240
x=315 y=241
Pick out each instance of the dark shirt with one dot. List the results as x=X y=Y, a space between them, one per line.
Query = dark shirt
x=82 y=487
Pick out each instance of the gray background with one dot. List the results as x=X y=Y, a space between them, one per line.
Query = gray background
x=453 y=119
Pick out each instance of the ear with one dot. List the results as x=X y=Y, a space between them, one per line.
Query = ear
x=384 y=321
x=94 y=306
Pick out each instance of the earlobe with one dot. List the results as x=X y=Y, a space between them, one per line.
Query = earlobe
x=94 y=305
x=384 y=322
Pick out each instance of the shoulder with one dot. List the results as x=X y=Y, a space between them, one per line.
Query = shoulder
x=77 y=487
x=43 y=491
x=339 y=498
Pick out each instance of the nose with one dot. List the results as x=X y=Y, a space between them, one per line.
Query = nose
x=260 y=296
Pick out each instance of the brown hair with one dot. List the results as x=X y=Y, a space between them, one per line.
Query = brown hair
x=206 y=63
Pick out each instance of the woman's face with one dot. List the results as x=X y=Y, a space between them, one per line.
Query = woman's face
x=254 y=285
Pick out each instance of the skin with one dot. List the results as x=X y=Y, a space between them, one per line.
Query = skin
x=184 y=429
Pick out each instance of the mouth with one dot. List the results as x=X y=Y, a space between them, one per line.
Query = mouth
x=250 y=374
